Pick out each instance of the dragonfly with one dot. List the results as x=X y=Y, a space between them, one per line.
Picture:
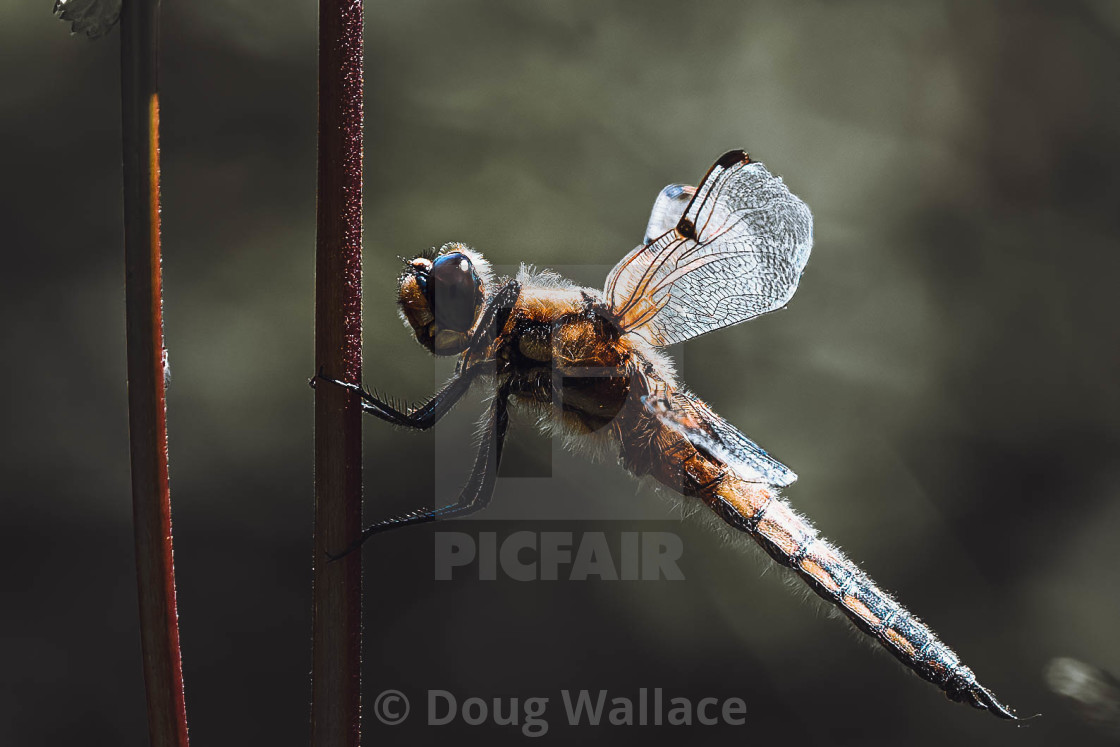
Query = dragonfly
x=593 y=364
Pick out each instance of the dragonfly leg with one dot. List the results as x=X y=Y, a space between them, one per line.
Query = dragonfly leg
x=490 y=324
x=475 y=495
x=425 y=416
x=421 y=418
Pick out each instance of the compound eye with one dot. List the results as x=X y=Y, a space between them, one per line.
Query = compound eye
x=453 y=291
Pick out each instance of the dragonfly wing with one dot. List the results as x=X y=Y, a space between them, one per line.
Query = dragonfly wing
x=713 y=435
x=736 y=252
x=667 y=210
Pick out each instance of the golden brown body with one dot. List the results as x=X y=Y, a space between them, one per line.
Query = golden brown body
x=716 y=255
x=561 y=349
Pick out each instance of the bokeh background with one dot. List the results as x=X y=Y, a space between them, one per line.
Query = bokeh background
x=944 y=382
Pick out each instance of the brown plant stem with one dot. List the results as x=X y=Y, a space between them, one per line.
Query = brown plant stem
x=337 y=601
x=147 y=408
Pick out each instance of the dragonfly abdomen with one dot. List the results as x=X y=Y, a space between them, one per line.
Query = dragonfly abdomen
x=652 y=446
x=793 y=542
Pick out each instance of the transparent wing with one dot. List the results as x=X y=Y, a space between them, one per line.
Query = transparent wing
x=737 y=251
x=667 y=210
x=713 y=435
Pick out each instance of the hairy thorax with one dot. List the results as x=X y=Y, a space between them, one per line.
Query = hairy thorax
x=564 y=354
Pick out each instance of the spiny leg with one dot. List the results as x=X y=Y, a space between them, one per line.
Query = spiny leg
x=422 y=417
x=493 y=319
x=491 y=323
x=475 y=495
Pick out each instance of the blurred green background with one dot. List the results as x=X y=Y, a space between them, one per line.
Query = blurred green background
x=944 y=382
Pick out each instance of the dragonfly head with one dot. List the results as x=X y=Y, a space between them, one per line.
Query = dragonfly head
x=441 y=295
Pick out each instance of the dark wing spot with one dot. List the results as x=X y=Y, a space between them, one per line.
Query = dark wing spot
x=686 y=229
x=732 y=157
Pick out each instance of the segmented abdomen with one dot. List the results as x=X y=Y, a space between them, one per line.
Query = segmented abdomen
x=661 y=450
x=789 y=539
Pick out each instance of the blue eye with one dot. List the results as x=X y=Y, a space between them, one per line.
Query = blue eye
x=452 y=290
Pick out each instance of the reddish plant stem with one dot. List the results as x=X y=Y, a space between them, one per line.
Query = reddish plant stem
x=337 y=601
x=147 y=409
